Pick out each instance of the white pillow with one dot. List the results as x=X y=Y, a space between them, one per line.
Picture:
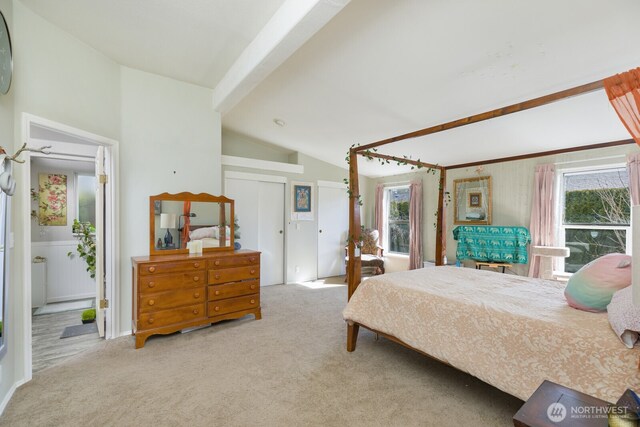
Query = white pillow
x=203 y=233
x=624 y=317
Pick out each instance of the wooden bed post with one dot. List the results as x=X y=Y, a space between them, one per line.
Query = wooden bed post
x=354 y=266
x=441 y=234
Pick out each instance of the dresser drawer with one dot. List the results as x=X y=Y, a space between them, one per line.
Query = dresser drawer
x=217 y=308
x=169 y=317
x=164 y=300
x=236 y=289
x=234 y=261
x=233 y=274
x=172 y=267
x=153 y=283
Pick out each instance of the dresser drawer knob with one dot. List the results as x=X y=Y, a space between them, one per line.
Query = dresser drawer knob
x=196 y=264
x=252 y=259
x=197 y=278
x=152 y=269
x=196 y=295
x=217 y=262
x=253 y=301
x=217 y=292
x=151 y=302
x=195 y=311
x=217 y=276
x=253 y=286
x=152 y=284
x=216 y=309
x=151 y=320
x=253 y=271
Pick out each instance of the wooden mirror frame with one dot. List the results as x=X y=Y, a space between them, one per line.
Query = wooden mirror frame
x=488 y=219
x=190 y=197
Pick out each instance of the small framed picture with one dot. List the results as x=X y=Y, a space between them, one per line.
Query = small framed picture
x=157 y=207
x=475 y=200
x=302 y=200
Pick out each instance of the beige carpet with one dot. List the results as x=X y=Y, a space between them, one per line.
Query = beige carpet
x=288 y=369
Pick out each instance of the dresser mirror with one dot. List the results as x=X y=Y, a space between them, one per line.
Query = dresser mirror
x=178 y=219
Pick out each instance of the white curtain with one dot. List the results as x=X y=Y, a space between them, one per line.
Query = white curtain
x=543 y=220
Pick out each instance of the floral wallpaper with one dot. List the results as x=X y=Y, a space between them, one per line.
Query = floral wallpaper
x=53 y=199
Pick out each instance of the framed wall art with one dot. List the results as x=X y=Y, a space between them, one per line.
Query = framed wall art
x=302 y=201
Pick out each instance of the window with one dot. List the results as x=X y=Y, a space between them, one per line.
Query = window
x=397 y=215
x=596 y=211
x=86 y=198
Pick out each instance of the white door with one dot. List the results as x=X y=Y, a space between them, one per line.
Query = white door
x=260 y=209
x=100 y=239
x=271 y=226
x=333 y=228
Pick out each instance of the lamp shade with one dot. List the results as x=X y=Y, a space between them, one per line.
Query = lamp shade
x=168 y=220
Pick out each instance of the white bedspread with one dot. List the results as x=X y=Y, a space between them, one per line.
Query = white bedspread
x=512 y=332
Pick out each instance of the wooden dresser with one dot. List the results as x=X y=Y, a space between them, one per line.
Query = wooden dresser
x=175 y=292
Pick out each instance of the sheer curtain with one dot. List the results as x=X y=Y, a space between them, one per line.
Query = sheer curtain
x=379 y=213
x=623 y=91
x=415 y=225
x=633 y=168
x=543 y=221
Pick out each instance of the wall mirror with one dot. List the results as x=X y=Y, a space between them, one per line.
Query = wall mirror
x=177 y=219
x=4 y=262
x=472 y=198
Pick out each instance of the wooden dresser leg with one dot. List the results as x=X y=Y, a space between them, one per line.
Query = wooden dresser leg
x=352 y=336
x=258 y=314
x=140 y=340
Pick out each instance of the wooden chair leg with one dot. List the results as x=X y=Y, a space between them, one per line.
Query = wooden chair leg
x=352 y=336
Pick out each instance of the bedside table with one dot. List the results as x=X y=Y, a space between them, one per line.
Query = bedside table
x=570 y=408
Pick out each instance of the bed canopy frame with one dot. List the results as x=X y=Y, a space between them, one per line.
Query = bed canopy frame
x=369 y=151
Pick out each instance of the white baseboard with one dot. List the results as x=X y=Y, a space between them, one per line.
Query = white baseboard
x=71 y=298
x=9 y=395
x=125 y=333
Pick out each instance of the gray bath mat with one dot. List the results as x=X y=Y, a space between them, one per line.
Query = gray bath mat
x=84 y=329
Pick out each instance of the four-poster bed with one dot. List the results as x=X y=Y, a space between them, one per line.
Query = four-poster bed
x=396 y=293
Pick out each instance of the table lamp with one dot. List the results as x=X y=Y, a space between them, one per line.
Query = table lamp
x=168 y=221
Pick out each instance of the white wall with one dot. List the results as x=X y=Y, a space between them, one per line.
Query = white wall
x=170 y=142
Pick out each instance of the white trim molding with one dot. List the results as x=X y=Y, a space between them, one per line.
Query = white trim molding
x=267 y=165
x=254 y=177
x=332 y=184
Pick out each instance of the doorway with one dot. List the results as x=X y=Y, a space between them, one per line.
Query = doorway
x=75 y=156
x=259 y=206
x=333 y=228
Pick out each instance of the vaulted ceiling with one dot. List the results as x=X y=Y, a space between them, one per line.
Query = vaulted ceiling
x=380 y=68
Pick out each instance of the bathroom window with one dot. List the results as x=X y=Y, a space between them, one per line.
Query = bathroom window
x=86 y=198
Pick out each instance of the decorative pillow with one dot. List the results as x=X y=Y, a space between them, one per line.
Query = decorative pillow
x=591 y=287
x=202 y=233
x=624 y=316
x=369 y=241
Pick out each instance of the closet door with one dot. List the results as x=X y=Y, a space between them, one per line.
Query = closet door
x=271 y=226
x=333 y=228
x=260 y=209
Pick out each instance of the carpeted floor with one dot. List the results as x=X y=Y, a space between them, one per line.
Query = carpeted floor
x=288 y=369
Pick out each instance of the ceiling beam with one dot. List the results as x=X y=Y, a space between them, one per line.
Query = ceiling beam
x=542 y=154
x=290 y=27
x=400 y=160
x=514 y=108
